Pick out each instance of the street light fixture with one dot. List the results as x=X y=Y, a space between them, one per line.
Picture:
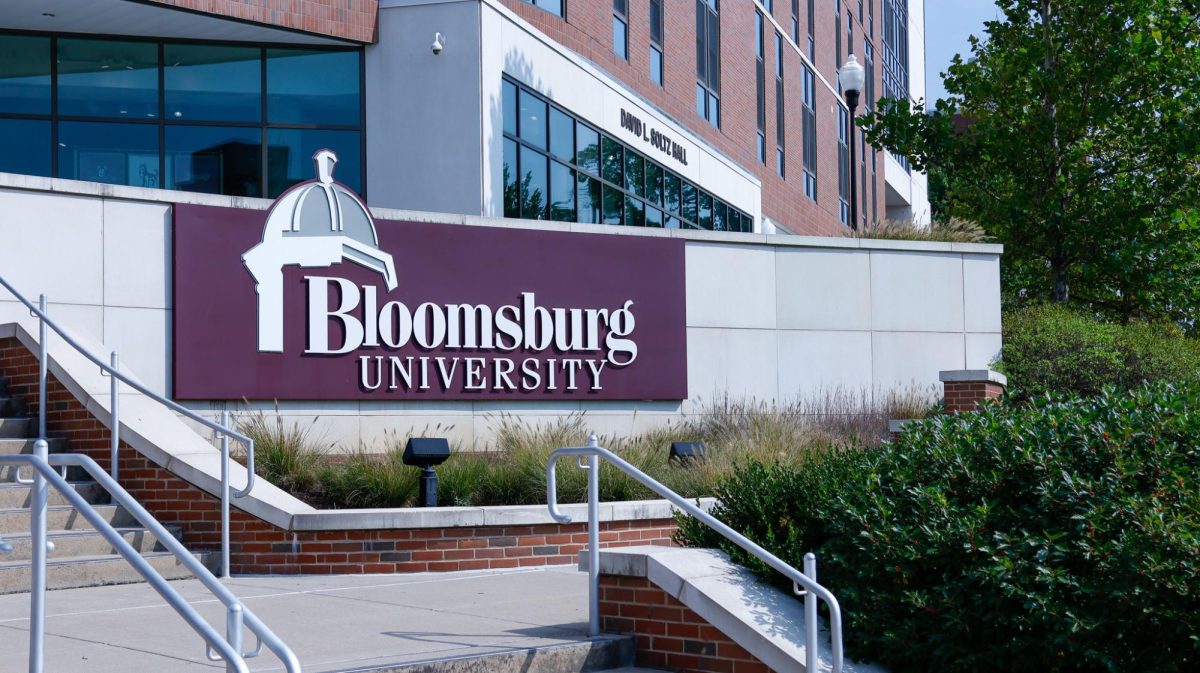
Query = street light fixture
x=851 y=77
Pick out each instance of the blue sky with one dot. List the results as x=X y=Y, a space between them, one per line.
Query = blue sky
x=948 y=23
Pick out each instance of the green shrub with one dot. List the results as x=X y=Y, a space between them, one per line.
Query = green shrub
x=1051 y=348
x=1056 y=536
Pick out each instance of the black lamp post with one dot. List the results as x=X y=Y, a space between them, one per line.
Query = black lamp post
x=851 y=77
x=425 y=453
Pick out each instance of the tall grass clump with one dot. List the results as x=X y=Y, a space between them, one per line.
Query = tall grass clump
x=511 y=469
x=954 y=230
x=286 y=453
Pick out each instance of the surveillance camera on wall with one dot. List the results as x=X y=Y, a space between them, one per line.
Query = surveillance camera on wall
x=438 y=44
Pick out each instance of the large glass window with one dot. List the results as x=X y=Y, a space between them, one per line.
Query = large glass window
x=808 y=119
x=843 y=165
x=760 y=86
x=306 y=86
x=779 y=97
x=582 y=175
x=26 y=145
x=25 y=74
x=212 y=83
x=191 y=120
x=215 y=159
x=112 y=152
x=656 y=41
x=107 y=78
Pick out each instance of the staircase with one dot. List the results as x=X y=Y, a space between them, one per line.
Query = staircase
x=81 y=556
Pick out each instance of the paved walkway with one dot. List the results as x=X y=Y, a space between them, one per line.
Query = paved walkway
x=332 y=623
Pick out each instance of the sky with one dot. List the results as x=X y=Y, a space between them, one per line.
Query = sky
x=948 y=23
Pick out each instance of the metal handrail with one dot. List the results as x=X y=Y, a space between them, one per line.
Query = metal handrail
x=811 y=590
x=111 y=369
x=228 y=647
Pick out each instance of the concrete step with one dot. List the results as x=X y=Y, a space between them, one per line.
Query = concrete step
x=17 y=495
x=604 y=653
x=64 y=517
x=18 y=428
x=10 y=406
x=69 y=543
x=10 y=446
x=98 y=570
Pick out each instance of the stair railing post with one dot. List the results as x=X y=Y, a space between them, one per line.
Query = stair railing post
x=114 y=384
x=42 y=369
x=233 y=633
x=39 y=542
x=811 y=662
x=225 y=497
x=593 y=539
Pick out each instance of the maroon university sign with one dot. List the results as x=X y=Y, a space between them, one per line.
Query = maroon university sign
x=314 y=300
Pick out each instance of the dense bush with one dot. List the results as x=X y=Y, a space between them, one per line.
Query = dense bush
x=1054 y=348
x=1055 y=536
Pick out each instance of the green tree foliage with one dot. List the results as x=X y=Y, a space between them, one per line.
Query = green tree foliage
x=1056 y=537
x=1071 y=134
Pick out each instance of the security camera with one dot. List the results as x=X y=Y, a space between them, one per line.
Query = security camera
x=438 y=43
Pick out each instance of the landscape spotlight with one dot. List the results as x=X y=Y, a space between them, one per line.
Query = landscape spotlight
x=425 y=452
x=685 y=453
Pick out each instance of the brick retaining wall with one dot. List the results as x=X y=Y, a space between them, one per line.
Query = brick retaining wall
x=667 y=634
x=260 y=547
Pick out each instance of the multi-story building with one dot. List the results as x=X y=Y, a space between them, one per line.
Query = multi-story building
x=706 y=114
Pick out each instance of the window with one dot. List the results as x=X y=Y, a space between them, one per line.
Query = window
x=796 y=21
x=895 y=54
x=869 y=84
x=809 y=132
x=760 y=82
x=837 y=42
x=812 y=21
x=769 y=5
x=779 y=154
x=203 y=117
x=555 y=7
x=656 y=42
x=621 y=28
x=559 y=168
x=843 y=165
x=708 y=61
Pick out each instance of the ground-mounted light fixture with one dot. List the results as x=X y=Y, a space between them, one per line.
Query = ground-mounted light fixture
x=686 y=454
x=851 y=77
x=425 y=453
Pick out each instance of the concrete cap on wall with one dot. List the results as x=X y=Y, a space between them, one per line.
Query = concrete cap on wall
x=972 y=376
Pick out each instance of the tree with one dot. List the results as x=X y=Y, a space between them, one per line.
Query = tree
x=1071 y=135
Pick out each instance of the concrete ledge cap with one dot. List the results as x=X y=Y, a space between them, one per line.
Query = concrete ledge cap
x=767 y=622
x=972 y=376
x=465 y=517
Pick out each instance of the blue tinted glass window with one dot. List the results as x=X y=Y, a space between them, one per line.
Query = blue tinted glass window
x=635 y=173
x=656 y=66
x=562 y=192
x=688 y=210
x=108 y=78
x=534 y=188
x=24 y=74
x=512 y=195
x=705 y=212
x=614 y=202
x=588 y=142
x=635 y=212
x=533 y=119
x=215 y=159
x=290 y=152
x=654 y=217
x=671 y=192
x=588 y=196
x=313 y=87
x=115 y=153
x=654 y=183
x=619 y=38
x=562 y=135
x=613 y=161
x=719 y=213
x=26 y=144
x=510 y=107
x=212 y=83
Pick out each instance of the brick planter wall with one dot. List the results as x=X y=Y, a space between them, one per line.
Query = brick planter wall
x=667 y=634
x=260 y=547
x=968 y=390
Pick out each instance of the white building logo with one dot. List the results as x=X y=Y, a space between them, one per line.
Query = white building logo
x=317 y=223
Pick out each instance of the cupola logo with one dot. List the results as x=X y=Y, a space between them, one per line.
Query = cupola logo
x=315 y=224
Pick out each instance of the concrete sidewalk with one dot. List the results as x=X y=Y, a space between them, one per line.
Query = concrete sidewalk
x=336 y=623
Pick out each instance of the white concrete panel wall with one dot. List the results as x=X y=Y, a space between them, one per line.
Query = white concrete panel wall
x=769 y=318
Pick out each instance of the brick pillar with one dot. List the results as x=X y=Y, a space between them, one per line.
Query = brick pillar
x=968 y=389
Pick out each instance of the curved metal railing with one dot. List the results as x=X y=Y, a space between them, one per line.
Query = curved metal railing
x=227 y=648
x=804 y=583
x=111 y=369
